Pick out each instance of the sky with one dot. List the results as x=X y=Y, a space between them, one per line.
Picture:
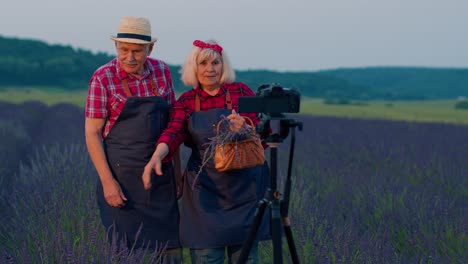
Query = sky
x=292 y=35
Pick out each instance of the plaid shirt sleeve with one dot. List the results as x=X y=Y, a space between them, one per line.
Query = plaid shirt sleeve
x=176 y=131
x=96 y=101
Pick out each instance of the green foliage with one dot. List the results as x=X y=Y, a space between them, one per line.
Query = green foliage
x=25 y=62
x=336 y=101
x=462 y=104
x=407 y=83
x=420 y=111
x=31 y=62
x=45 y=95
x=307 y=83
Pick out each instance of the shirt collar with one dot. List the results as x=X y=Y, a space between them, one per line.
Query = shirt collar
x=203 y=94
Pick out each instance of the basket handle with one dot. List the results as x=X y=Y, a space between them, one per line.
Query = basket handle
x=245 y=117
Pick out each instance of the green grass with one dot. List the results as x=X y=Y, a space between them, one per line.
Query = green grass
x=421 y=111
x=49 y=96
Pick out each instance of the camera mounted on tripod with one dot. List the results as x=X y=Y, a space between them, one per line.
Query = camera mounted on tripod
x=272 y=100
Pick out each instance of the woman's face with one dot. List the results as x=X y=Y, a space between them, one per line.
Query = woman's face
x=132 y=57
x=209 y=72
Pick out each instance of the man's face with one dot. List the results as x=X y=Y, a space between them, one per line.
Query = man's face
x=132 y=57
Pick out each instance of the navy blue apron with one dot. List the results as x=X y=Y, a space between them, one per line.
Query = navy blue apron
x=219 y=210
x=150 y=216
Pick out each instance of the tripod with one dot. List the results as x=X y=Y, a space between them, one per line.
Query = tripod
x=279 y=207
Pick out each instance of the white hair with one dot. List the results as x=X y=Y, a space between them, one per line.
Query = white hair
x=196 y=55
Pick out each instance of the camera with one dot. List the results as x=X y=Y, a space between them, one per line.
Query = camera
x=272 y=99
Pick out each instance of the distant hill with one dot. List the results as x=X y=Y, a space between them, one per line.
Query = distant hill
x=29 y=62
x=408 y=82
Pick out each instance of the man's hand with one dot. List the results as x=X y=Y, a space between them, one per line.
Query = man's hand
x=113 y=193
x=111 y=188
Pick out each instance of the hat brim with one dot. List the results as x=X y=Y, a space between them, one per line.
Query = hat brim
x=133 y=40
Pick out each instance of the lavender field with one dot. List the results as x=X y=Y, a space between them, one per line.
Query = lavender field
x=372 y=191
x=364 y=191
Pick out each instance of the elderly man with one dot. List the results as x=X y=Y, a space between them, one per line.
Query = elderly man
x=127 y=108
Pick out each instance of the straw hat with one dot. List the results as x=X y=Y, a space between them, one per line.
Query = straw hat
x=134 y=30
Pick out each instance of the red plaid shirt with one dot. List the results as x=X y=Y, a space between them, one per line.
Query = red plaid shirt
x=106 y=96
x=177 y=132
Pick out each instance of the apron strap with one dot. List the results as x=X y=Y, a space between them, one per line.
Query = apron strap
x=154 y=87
x=125 y=87
x=197 y=102
x=228 y=101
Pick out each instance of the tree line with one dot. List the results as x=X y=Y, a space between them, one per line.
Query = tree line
x=29 y=62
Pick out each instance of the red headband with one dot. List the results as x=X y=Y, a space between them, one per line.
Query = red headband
x=204 y=45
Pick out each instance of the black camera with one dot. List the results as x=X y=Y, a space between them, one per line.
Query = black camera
x=272 y=99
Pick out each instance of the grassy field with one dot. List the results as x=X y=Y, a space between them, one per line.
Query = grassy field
x=49 y=96
x=421 y=111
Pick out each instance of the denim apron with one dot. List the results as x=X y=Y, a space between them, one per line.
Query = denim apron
x=220 y=208
x=149 y=216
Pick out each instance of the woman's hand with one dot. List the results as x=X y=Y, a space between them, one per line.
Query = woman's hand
x=154 y=164
x=236 y=121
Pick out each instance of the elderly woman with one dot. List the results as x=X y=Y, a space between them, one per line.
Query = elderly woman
x=217 y=208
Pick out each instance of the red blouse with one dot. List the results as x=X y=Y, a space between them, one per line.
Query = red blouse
x=177 y=132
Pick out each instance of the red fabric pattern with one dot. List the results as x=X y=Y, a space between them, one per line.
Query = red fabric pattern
x=176 y=132
x=106 y=96
x=204 y=45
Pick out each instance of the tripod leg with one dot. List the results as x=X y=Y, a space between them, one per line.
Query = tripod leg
x=289 y=238
x=276 y=232
x=247 y=246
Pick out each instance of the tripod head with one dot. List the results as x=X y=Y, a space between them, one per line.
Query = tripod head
x=265 y=130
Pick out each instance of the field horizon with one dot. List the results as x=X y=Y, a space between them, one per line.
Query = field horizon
x=427 y=111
